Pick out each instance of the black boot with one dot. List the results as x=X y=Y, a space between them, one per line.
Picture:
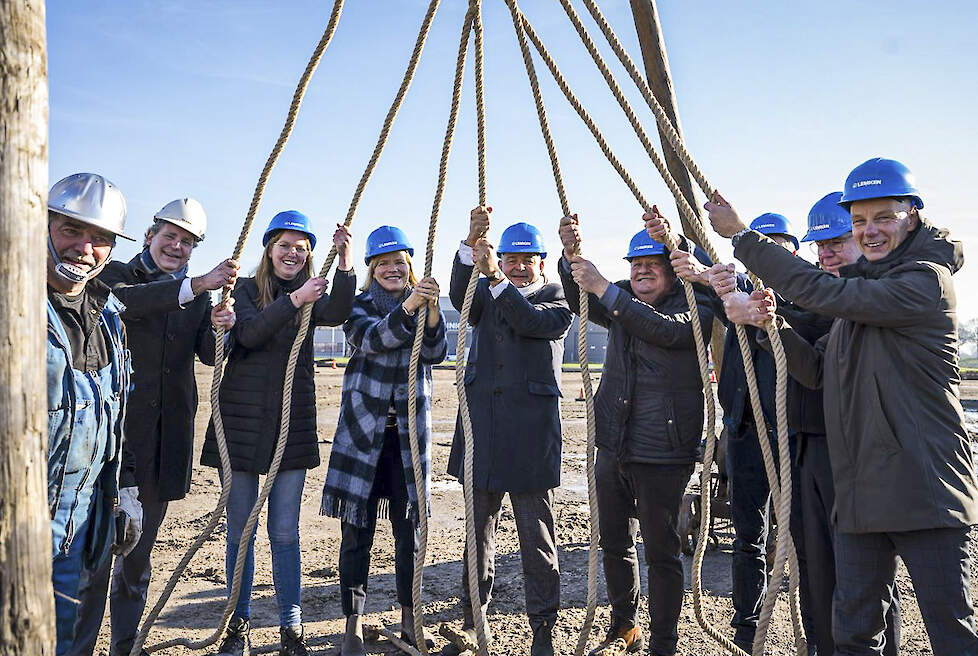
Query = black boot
x=543 y=642
x=293 y=641
x=237 y=641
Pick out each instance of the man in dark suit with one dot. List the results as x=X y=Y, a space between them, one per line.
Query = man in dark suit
x=512 y=379
x=168 y=317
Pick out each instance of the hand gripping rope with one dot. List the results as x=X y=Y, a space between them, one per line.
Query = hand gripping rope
x=300 y=338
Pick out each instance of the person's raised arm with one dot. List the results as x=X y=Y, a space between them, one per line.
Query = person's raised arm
x=893 y=301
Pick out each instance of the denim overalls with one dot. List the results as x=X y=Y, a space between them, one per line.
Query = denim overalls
x=85 y=411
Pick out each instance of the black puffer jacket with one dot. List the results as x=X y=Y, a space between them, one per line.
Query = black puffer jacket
x=649 y=405
x=251 y=392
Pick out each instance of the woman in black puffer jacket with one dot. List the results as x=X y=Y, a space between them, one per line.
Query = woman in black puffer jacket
x=268 y=312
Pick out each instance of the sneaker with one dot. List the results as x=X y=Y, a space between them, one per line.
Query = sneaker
x=293 y=641
x=631 y=637
x=237 y=642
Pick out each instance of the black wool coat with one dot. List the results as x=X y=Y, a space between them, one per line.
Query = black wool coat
x=251 y=391
x=512 y=380
x=163 y=340
x=649 y=405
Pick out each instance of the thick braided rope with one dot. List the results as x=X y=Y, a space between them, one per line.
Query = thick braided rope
x=583 y=312
x=695 y=222
x=471 y=546
x=701 y=347
x=420 y=480
x=218 y=374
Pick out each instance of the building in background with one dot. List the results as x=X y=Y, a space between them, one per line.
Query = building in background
x=330 y=342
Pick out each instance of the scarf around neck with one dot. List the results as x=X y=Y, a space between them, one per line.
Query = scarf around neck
x=145 y=264
x=383 y=299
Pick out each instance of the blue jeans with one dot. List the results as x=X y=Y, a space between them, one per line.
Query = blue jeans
x=283 y=535
x=66 y=569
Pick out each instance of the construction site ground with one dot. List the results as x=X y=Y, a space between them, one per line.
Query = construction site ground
x=198 y=601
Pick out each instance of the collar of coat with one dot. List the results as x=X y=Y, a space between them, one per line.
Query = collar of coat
x=532 y=288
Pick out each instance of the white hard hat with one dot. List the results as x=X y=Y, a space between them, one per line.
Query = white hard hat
x=90 y=198
x=185 y=213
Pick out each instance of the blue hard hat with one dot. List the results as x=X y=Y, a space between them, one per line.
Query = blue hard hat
x=772 y=223
x=641 y=244
x=880 y=178
x=827 y=220
x=522 y=238
x=289 y=220
x=387 y=239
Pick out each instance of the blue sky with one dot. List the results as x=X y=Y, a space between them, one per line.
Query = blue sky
x=778 y=102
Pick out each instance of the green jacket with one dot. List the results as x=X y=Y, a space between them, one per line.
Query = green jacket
x=901 y=459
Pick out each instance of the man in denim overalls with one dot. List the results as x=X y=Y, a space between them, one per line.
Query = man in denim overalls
x=87 y=384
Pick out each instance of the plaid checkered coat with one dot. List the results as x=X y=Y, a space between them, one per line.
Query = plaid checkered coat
x=376 y=373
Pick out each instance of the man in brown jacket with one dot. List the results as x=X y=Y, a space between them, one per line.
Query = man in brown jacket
x=901 y=461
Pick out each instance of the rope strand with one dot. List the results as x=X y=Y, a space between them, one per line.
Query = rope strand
x=420 y=479
x=471 y=546
x=218 y=374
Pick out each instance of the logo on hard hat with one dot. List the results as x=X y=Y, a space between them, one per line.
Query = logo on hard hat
x=866 y=183
x=644 y=246
x=294 y=223
x=820 y=226
x=387 y=243
x=521 y=243
x=765 y=225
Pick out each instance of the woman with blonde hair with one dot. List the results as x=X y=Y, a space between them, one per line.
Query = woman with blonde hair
x=268 y=311
x=370 y=472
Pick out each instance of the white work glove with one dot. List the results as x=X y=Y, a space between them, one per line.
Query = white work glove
x=129 y=521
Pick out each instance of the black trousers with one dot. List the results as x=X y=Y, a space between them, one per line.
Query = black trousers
x=356 y=541
x=817 y=499
x=940 y=568
x=533 y=512
x=633 y=496
x=130 y=577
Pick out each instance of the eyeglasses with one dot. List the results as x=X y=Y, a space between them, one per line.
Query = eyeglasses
x=835 y=245
x=286 y=247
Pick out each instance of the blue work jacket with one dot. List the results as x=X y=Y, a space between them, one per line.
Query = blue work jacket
x=85 y=412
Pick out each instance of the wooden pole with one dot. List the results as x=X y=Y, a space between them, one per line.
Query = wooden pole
x=657 y=74
x=646 y=17
x=26 y=597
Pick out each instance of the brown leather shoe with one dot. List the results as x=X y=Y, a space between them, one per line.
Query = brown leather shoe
x=623 y=640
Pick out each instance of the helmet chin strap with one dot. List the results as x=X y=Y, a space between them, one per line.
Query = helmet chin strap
x=73 y=274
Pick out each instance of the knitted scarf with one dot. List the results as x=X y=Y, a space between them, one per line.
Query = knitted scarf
x=383 y=299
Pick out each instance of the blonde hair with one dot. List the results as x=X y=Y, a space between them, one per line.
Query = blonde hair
x=264 y=275
x=372 y=268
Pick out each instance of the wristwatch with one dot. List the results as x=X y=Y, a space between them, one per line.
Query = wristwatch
x=736 y=236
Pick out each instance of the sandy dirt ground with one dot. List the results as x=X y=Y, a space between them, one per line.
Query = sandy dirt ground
x=198 y=601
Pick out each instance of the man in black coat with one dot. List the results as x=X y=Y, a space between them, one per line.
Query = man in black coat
x=512 y=379
x=168 y=318
x=649 y=420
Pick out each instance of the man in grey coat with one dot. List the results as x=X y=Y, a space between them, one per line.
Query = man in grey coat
x=512 y=379
x=901 y=459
